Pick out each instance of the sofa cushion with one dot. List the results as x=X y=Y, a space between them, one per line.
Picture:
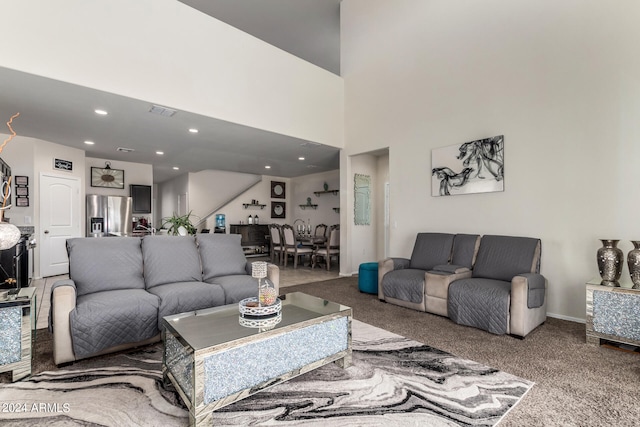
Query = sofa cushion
x=464 y=249
x=221 y=255
x=481 y=303
x=103 y=264
x=406 y=285
x=237 y=287
x=503 y=257
x=170 y=259
x=431 y=249
x=106 y=319
x=186 y=296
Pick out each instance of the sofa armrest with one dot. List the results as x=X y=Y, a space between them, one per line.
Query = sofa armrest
x=450 y=269
x=273 y=274
x=63 y=302
x=528 y=303
x=436 y=283
x=530 y=288
x=387 y=265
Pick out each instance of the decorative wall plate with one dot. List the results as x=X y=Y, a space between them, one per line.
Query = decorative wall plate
x=107 y=177
x=278 y=210
x=277 y=190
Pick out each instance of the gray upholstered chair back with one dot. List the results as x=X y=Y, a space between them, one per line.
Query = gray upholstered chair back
x=465 y=249
x=104 y=264
x=431 y=249
x=171 y=259
x=503 y=257
x=221 y=255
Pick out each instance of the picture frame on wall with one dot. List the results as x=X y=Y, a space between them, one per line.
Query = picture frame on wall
x=278 y=210
x=278 y=190
x=107 y=177
x=21 y=180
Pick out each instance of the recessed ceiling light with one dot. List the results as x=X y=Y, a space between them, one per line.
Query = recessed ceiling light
x=160 y=153
x=175 y=168
x=193 y=130
x=267 y=167
x=300 y=158
x=101 y=112
x=89 y=142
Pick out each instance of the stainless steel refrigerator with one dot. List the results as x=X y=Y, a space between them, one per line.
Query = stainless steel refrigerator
x=109 y=216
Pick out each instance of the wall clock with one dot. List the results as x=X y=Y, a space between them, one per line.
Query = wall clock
x=278 y=210
x=107 y=177
x=277 y=190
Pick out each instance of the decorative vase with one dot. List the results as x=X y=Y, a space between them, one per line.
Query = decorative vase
x=633 y=261
x=610 y=261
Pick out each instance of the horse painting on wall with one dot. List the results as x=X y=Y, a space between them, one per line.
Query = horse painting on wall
x=473 y=167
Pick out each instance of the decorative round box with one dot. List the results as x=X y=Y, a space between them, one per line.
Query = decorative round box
x=250 y=308
x=264 y=324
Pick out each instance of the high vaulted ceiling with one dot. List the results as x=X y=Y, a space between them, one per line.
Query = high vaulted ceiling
x=63 y=113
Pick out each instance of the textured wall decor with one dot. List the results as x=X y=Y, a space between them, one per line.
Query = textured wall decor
x=472 y=167
x=362 y=202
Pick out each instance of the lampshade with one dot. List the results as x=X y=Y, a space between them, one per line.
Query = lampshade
x=259 y=269
x=9 y=235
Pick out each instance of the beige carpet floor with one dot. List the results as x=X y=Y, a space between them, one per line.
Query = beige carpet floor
x=576 y=384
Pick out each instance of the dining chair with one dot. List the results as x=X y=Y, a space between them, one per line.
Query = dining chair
x=332 y=248
x=291 y=246
x=320 y=234
x=277 y=247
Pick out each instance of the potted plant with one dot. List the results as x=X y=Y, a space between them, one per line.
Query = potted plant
x=179 y=225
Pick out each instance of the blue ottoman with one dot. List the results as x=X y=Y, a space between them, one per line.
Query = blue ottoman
x=368 y=277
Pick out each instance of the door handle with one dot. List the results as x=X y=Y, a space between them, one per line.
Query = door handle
x=46 y=231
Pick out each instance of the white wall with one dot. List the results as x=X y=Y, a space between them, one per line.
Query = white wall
x=209 y=190
x=561 y=81
x=32 y=157
x=236 y=213
x=304 y=187
x=359 y=241
x=166 y=52
x=168 y=195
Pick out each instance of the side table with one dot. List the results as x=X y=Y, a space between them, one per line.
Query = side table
x=17 y=326
x=612 y=313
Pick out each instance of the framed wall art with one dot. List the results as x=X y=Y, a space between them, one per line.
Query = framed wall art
x=473 y=167
x=278 y=190
x=107 y=177
x=278 y=210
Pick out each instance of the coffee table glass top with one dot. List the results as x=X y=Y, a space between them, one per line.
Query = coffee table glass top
x=205 y=328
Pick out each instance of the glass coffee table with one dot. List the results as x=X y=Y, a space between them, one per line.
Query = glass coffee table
x=215 y=357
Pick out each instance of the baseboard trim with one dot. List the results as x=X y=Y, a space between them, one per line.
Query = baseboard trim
x=569 y=318
x=345 y=274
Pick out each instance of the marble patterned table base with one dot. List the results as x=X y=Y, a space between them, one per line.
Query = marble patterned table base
x=214 y=377
x=612 y=315
x=16 y=327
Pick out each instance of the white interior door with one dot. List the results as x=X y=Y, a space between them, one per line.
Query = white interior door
x=59 y=221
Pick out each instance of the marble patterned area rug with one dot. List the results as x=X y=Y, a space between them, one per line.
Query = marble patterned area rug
x=393 y=381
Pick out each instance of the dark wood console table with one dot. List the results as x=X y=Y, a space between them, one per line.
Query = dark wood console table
x=255 y=238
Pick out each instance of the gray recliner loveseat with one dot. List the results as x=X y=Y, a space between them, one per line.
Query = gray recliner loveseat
x=120 y=288
x=492 y=283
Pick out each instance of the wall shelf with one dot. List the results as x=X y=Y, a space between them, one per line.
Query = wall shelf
x=310 y=206
x=319 y=193
x=252 y=205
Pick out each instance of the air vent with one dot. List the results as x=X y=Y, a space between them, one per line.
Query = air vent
x=125 y=150
x=162 y=111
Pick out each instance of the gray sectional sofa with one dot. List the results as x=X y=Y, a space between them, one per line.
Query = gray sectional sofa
x=491 y=282
x=120 y=288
